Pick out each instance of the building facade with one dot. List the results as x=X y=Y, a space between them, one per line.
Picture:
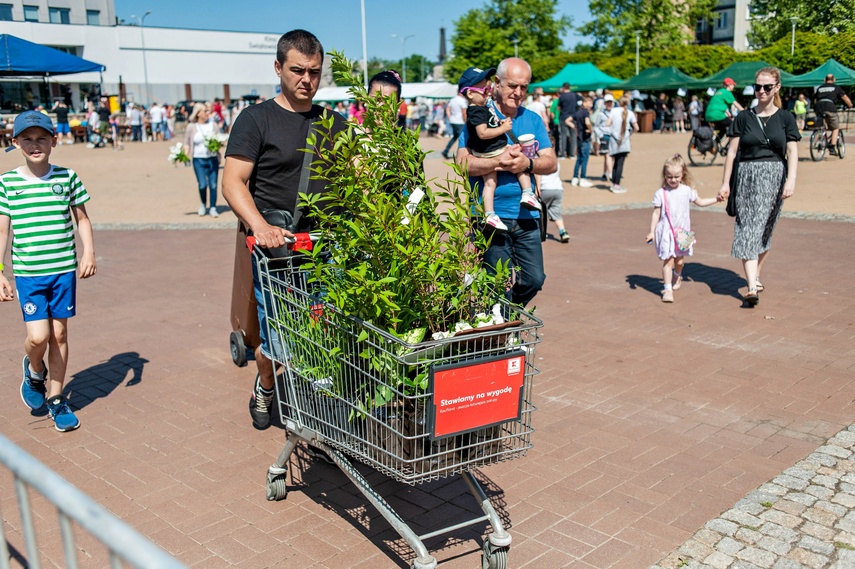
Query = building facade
x=729 y=26
x=143 y=64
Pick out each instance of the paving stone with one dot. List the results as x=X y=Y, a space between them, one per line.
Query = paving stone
x=749 y=536
x=695 y=549
x=845 y=559
x=788 y=564
x=835 y=451
x=802 y=498
x=821 y=459
x=835 y=509
x=776 y=546
x=757 y=556
x=820 y=516
x=820 y=492
x=843 y=439
x=729 y=546
x=790 y=507
x=742 y=518
x=817 y=546
x=824 y=480
x=803 y=473
x=844 y=499
x=723 y=527
x=750 y=507
x=813 y=560
x=845 y=538
x=761 y=494
x=820 y=532
x=719 y=560
x=779 y=532
x=781 y=518
x=791 y=482
x=846 y=525
x=708 y=537
x=847 y=487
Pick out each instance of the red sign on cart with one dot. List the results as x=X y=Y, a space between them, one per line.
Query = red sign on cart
x=476 y=394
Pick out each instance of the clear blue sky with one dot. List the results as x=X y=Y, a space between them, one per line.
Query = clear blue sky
x=337 y=23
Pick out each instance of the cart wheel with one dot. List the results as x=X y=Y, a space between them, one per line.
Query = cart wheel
x=494 y=558
x=277 y=489
x=237 y=348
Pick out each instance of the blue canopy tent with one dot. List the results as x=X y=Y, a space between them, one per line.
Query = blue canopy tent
x=20 y=58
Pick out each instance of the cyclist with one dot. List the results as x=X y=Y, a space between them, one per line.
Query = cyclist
x=826 y=99
x=718 y=110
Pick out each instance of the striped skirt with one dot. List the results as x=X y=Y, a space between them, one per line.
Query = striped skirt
x=758 y=185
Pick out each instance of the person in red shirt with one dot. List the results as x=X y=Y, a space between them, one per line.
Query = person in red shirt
x=402 y=114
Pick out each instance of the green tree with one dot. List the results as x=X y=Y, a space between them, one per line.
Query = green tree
x=485 y=36
x=771 y=19
x=663 y=23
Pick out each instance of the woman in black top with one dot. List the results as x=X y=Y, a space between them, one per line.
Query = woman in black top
x=766 y=139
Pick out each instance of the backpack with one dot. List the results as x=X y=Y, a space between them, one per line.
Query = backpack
x=704 y=139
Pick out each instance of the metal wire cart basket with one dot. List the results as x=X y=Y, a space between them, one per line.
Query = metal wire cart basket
x=413 y=412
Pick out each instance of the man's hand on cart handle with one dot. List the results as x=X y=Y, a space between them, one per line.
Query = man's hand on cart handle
x=270 y=236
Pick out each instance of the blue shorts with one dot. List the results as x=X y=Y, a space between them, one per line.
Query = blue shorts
x=159 y=126
x=274 y=349
x=63 y=128
x=47 y=296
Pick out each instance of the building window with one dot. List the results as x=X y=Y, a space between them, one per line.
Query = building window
x=721 y=21
x=31 y=13
x=59 y=15
x=93 y=17
x=6 y=12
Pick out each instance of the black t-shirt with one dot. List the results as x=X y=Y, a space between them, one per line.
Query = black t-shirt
x=661 y=106
x=104 y=114
x=583 y=133
x=780 y=128
x=568 y=104
x=476 y=115
x=62 y=114
x=272 y=137
x=827 y=96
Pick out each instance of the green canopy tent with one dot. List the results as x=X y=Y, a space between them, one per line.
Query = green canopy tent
x=842 y=76
x=658 y=79
x=580 y=76
x=742 y=72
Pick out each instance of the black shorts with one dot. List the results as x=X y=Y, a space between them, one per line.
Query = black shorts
x=722 y=126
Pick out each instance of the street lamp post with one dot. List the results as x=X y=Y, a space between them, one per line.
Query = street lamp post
x=364 y=48
x=793 y=41
x=637 y=39
x=404 y=53
x=516 y=42
x=145 y=65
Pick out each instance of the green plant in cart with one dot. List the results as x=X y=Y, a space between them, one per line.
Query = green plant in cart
x=397 y=250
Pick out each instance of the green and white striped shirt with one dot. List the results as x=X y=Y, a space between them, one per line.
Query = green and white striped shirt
x=42 y=229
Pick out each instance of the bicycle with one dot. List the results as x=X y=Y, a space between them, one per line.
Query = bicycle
x=699 y=157
x=820 y=141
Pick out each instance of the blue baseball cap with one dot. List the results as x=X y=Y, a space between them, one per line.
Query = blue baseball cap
x=32 y=118
x=473 y=76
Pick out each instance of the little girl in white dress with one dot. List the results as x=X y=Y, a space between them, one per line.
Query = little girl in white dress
x=671 y=220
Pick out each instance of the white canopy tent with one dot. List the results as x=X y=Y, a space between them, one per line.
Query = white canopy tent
x=437 y=90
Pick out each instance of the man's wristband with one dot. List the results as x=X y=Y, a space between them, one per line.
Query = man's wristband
x=530 y=166
x=1 y=267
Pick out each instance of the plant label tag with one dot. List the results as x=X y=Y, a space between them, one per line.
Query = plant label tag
x=412 y=202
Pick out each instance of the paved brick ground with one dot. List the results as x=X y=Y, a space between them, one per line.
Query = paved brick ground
x=653 y=419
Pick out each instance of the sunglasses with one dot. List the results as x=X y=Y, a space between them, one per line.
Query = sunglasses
x=767 y=87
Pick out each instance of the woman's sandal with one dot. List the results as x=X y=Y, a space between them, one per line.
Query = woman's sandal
x=678 y=281
x=759 y=285
x=751 y=297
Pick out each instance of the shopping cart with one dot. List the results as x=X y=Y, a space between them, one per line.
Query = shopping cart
x=415 y=412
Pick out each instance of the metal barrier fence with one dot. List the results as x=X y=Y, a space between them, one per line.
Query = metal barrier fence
x=123 y=543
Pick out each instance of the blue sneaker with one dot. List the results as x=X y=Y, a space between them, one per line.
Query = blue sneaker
x=33 y=390
x=61 y=414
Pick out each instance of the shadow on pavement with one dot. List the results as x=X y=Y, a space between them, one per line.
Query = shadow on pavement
x=100 y=380
x=720 y=281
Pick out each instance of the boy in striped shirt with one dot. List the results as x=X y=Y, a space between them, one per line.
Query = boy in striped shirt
x=37 y=202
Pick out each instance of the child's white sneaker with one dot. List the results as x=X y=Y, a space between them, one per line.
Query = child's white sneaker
x=667 y=296
x=584 y=183
x=529 y=200
x=496 y=223
x=574 y=182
